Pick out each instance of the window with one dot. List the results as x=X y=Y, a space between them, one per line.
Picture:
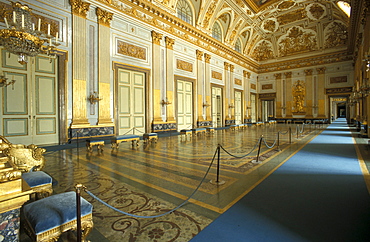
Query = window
x=217 y=32
x=184 y=11
x=238 y=46
x=346 y=8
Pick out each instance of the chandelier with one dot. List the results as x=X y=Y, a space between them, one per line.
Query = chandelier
x=22 y=38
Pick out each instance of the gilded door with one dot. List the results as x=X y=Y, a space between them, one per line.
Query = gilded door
x=238 y=107
x=253 y=108
x=30 y=107
x=217 y=106
x=131 y=102
x=184 y=105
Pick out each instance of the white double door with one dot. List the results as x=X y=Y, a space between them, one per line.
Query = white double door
x=131 y=102
x=217 y=106
x=29 y=107
x=238 y=108
x=184 y=105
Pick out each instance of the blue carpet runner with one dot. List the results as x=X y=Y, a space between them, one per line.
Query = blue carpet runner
x=319 y=194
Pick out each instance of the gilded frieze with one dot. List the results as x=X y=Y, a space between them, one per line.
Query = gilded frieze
x=297 y=40
x=290 y=17
x=253 y=86
x=216 y=75
x=263 y=51
x=131 y=50
x=183 y=65
x=104 y=17
x=266 y=86
x=267 y=95
x=79 y=7
x=338 y=79
x=338 y=90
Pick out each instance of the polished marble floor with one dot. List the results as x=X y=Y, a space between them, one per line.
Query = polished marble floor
x=155 y=178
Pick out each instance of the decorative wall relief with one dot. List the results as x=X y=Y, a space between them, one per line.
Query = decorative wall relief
x=338 y=79
x=299 y=93
x=297 y=40
x=183 y=65
x=238 y=81
x=216 y=75
x=263 y=51
x=266 y=86
x=335 y=34
x=131 y=50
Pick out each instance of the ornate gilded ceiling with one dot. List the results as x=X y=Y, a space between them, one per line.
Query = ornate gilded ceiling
x=272 y=29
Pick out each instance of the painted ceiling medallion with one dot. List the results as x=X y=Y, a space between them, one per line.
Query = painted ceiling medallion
x=315 y=11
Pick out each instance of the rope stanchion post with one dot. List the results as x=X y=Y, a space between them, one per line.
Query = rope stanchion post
x=290 y=135
x=218 y=182
x=278 y=141
x=297 y=130
x=259 y=149
x=78 y=188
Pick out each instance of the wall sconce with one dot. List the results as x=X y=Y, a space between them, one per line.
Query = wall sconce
x=367 y=61
x=163 y=102
x=4 y=83
x=231 y=105
x=94 y=98
x=206 y=104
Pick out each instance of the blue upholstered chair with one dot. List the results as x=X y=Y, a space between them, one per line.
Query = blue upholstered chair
x=46 y=219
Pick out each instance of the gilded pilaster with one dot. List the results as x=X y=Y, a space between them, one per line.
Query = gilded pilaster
x=247 y=90
x=232 y=92
x=79 y=64
x=170 y=79
x=104 y=19
x=321 y=92
x=309 y=93
x=156 y=76
x=207 y=80
x=201 y=91
x=288 y=91
x=227 y=91
x=279 y=95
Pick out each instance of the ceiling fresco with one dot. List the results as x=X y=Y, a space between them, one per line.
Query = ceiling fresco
x=271 y=29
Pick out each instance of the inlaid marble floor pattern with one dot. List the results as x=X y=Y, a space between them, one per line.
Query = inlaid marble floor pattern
x=155 y=178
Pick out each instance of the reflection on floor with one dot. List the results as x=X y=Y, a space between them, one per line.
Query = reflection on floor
x=155 y=178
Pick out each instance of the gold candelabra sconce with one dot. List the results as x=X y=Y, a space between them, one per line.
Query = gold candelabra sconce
x=206 y=105
x=4 y=81
x=94 y=98
x=367 y=60
x=231 y=105
x=165 y=102
x=24 y=38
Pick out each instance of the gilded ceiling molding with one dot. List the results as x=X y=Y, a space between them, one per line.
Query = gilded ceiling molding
x=207 y=58
x=288 y=74
x=169 y=43
x=199 y=55
x=156 y=37
x=104 y=17
x=321 y=70
x=277 y=75
x=308 y=72
x=211 y=9
x=79 y=8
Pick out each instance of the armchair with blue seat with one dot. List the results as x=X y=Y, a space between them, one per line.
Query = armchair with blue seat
x=29 y=160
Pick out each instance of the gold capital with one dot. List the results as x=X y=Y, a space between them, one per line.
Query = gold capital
x=288 y=74
x=169 y=43
x=226 y=65
x=199 y=55
x=277 y=75
x=207 y=57
x=321 y=70
x=79 y=8
x=104 y=17
x=308 y=72
x=156 y=37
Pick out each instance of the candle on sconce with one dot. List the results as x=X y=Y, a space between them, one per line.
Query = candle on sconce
x=39 y=25
x=22 y=21
x=6 y=23
x=33 y=26
x=48 y=29
x=14 y=17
